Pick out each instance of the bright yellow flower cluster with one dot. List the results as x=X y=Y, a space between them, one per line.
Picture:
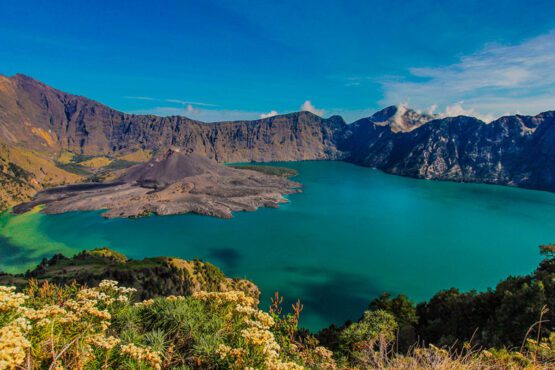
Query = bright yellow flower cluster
x=256 y=332
x=104 y=342
x=146 y=303
x=9 y=300
x=323 y=352
x=261 y=319
x=219 y=298
x=74 y=331
x=225 y=351
x=174 y=298
x=73 y=326
x=112 y=286
x=143 y=354
x=13 y=345
x=315 y=357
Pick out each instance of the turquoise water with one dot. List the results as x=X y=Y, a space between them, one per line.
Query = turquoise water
x=351 y=234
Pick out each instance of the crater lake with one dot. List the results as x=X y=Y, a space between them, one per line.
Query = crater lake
x=351 y=234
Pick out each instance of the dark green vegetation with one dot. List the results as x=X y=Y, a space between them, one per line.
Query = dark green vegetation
x=269 y=170
x=500 y=318
x=159 y=276
x=75 y=168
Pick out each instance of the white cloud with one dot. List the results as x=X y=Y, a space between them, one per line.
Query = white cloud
x=174 y=101
x=139 y=98
x=269 y=114
x=431 y=109
x=457 y=109
x=186 y=102
x=192 y=110
x=307 y=106
x=498 y=80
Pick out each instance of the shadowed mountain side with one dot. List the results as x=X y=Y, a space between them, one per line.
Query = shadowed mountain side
x=178 y=182
x=513 y=150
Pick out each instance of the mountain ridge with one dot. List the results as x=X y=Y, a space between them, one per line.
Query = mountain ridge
x=512 y=150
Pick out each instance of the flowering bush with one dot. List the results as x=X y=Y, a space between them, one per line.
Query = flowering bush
x=52 y=327
x=65 y=327
x=70 y=327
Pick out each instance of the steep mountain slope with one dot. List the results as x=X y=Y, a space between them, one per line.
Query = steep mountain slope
x=39 y=116
x=23 y=172
x=43 y=124
x=514 y=150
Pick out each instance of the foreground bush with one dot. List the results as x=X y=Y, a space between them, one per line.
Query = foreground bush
x=69 y=327
x=51 y=327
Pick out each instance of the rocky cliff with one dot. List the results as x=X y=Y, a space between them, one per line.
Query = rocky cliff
x=513 y=150
x=38 y=116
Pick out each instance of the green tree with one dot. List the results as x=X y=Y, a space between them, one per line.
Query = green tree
x=404 y=312
x=365 y=342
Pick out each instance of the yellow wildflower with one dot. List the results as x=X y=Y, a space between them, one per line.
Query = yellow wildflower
x=142 y=354
x=13 y=346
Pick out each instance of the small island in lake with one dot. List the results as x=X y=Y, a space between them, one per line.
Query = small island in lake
x=177 y=182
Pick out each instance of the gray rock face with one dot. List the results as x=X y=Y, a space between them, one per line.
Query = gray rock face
x=514 y=150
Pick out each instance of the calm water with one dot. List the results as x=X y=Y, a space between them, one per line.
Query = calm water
x=352 y=234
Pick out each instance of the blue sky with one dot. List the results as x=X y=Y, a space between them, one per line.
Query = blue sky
x=220 y=60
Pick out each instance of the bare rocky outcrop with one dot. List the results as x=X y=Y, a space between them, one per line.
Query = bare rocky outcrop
x=178 y=182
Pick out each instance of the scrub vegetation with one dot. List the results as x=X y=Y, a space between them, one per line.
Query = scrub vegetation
x=53 y=319
x=269 y=170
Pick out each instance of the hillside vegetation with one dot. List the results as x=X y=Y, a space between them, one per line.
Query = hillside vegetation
x=188 y=315
x=23 y=172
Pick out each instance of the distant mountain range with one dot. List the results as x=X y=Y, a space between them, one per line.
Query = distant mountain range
x=48 y=137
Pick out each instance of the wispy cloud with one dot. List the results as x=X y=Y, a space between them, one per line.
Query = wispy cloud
x=309 y=107
x=174 y=101
x=204 y=115
x=499 y=79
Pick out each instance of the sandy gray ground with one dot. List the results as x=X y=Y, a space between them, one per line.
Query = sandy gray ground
x=174 y=184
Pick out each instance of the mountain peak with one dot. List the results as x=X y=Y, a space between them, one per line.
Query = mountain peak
x=20 y=77
x=400 y=118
